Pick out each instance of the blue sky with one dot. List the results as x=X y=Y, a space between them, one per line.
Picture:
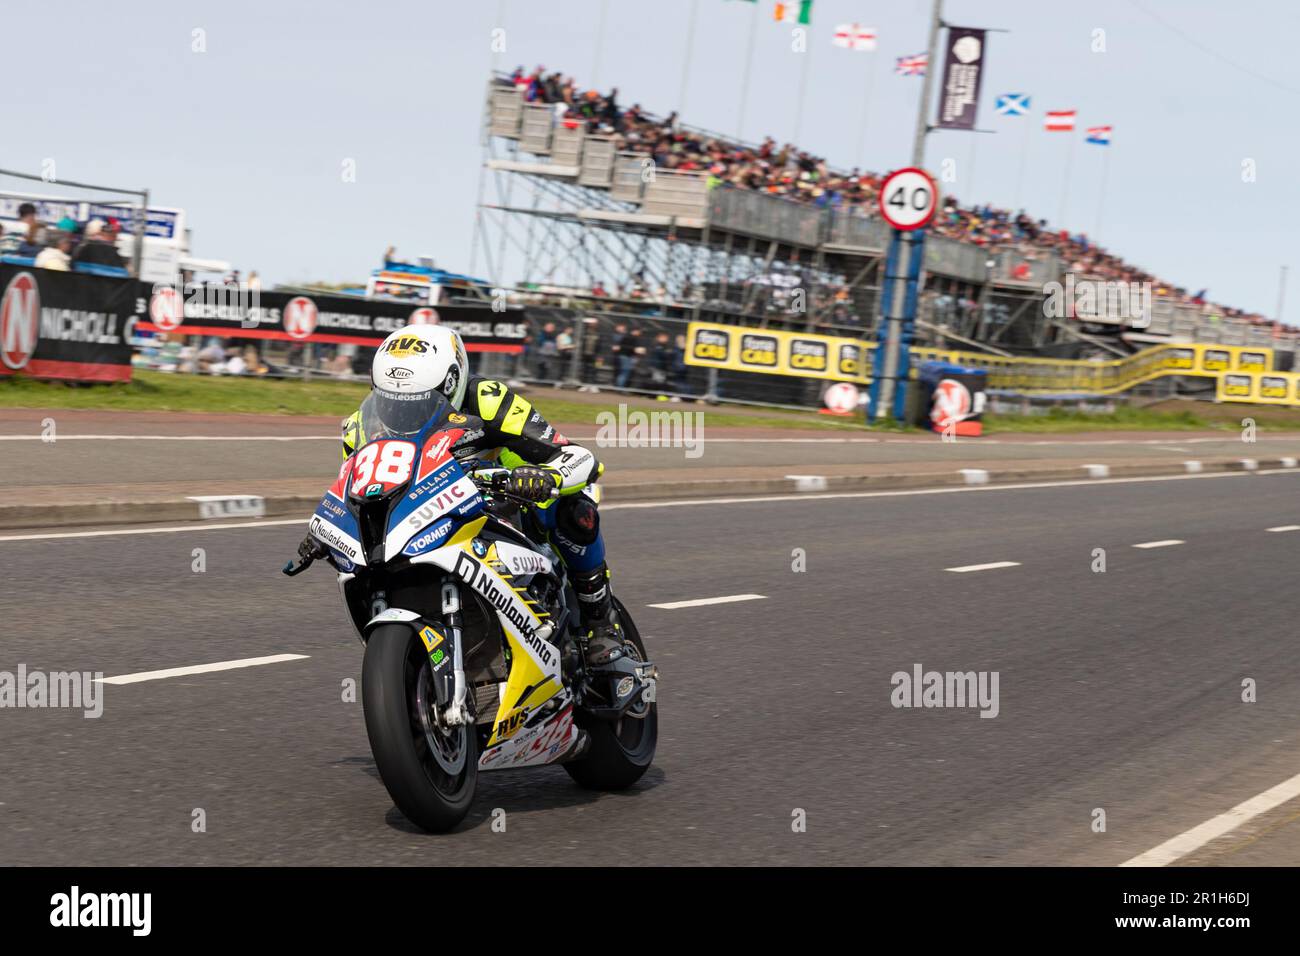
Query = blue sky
x=250 y=136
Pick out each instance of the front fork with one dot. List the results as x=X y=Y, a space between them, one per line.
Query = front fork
x=449 y=681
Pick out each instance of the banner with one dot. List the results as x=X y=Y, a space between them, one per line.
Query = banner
x=65 y=325
x=776 y=352
x=963 y=70
x=235 y=312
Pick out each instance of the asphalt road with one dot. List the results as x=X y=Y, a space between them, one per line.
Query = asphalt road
x=231 y=454
x=1118 y=691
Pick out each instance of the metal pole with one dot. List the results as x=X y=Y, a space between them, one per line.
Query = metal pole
x=803 y=92
x=890 y=371
x=600 y=43
x=1281 y=294
x=927 y=84
x=137 y=257
x=744 y=83
x=686 y=62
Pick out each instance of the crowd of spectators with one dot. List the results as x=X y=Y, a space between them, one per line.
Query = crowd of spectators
x=64 y=245
x=786 y=171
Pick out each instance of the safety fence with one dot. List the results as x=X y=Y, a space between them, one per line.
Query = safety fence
x=1239 y=373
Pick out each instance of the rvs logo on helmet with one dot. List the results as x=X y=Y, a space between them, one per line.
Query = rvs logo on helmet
x=407 y=345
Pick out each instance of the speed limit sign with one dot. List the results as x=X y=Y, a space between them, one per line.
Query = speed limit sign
x=908 y=198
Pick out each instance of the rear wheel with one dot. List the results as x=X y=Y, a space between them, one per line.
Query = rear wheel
x=429 y=769
x=622 y=750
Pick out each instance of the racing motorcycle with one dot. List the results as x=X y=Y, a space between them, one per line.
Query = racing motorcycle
x=470 y=626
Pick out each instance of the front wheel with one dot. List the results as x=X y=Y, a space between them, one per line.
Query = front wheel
x=429 y=769
x=622 y=750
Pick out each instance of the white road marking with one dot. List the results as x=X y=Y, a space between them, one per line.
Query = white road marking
x=1097 y=471
x=701 y=602
x=201 y=669
x=697 y=502
x=974 y=476
x=984 y=567
x=849 y=440
x=1285 y=527
x=59 y=438
x=1166 y=543
x=1224 y=823
x=171 y=529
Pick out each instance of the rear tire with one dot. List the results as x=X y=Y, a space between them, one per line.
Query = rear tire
x=620 y=751
x=429 y=794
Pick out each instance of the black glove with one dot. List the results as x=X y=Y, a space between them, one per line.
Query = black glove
x=532 y=483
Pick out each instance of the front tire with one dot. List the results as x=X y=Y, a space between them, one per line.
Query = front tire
x=429 y=771
x=622 y=750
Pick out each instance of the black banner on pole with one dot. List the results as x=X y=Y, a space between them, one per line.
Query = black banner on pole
x=963 y=69
x=237 y=312
x=65 y=325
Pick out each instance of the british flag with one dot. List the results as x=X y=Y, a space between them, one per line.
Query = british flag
x=912 y=65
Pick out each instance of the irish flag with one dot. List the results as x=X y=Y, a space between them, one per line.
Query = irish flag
x=800 y=12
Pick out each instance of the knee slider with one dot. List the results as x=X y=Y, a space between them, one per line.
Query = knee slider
x=578 y=519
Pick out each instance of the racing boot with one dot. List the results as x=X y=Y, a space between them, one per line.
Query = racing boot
x=604 y=635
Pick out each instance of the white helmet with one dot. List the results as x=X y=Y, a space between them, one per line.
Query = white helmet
x=416 y=368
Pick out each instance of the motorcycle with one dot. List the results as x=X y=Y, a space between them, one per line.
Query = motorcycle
x=473 y=660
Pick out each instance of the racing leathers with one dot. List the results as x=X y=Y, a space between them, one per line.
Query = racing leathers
x=495 y=422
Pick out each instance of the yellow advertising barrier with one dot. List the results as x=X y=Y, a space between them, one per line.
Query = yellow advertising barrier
x=776 y=352
x=1242 y=373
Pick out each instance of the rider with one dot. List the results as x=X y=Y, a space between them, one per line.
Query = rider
x=420 y=362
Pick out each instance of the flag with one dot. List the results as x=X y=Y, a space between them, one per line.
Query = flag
x=1099 y=135
x=1013 y=104
x=799 y=11
x=853 y=37
x=1059 y=121
x=912 y=65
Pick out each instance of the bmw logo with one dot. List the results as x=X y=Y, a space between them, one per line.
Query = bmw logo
x=480 y=547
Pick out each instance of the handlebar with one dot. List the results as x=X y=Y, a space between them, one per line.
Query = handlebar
x=493 y=480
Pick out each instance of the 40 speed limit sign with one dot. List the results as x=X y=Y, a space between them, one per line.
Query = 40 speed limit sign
x=908 y=199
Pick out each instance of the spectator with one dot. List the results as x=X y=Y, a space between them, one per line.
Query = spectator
x=95 y=249
x=57 y=257
x=32 y=231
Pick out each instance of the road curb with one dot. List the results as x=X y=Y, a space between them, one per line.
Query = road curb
x=245 y=507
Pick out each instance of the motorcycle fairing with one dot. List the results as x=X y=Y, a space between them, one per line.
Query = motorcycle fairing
x=523 y=733
x=335 y=527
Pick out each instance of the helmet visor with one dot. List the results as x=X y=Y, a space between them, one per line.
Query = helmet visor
x=400 y=414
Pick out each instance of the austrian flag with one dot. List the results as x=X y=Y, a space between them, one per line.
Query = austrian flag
x=1059 y=121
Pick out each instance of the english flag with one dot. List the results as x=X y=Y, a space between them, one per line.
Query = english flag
x=1099 y=135
x=1059 y=121
x=912 y=65
x=853 y=37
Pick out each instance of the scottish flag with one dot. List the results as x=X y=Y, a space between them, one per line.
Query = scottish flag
x=1013 y=104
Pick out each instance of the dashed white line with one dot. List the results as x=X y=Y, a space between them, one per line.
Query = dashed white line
x=1285 y=527
x=1167 y=543
x=1195 y=838
x=984 y=567
x=701 y=602
x=201 y=669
